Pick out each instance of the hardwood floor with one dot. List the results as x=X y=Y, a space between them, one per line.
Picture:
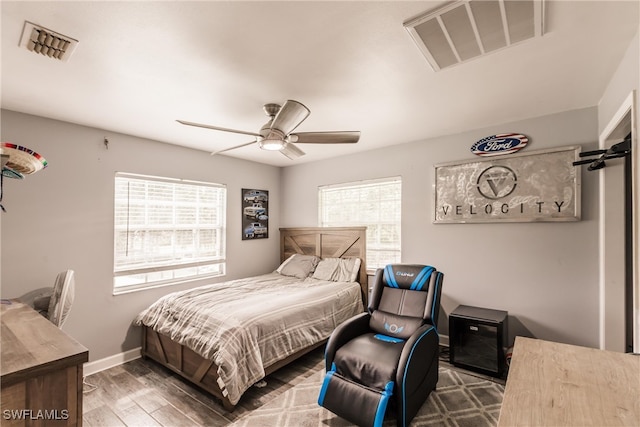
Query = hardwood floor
x=143 y=393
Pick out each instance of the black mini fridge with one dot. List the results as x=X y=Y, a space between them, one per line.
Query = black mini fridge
x=477 y=337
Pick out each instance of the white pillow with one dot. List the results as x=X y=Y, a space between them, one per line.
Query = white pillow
x=298 y=265
x=338 y=269
x=326 y=269
x=348 y=270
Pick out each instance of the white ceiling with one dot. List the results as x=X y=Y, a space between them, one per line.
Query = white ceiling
x=139 y=66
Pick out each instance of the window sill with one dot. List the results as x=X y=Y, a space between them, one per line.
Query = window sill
x=138 y=288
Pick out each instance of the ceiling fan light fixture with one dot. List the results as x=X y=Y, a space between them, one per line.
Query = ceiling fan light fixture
x=275 y=135
x=272 y=144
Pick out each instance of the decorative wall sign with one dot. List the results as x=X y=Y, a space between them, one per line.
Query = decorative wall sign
x=536 y=186
x=495 y=145
x=255 y=214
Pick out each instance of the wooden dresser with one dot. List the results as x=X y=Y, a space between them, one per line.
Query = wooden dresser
x=553 y=384
x=41 y=370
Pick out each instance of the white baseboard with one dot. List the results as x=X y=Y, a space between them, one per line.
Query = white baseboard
x=444 y=340
x=111 y=361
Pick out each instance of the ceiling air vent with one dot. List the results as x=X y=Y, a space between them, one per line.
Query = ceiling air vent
x=468 y=29
x=46 y=42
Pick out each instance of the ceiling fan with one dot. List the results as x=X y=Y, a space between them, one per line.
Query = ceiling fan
x=276 y=134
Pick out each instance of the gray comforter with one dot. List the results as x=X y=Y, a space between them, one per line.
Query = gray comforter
x=248 y=324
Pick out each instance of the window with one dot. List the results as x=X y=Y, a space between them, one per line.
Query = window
x=376 y=204
x=167 y=231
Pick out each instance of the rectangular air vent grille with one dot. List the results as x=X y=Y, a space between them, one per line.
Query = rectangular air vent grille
x=46 y=42
x=467 y=29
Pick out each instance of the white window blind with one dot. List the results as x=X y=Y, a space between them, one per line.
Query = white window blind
x=167 y=231
x=374 y=203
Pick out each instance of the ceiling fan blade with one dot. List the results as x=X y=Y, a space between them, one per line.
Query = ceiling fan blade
x=343 y=137
x=200 y=125
x=291 y=151
x=290 y=116
x=233 y=148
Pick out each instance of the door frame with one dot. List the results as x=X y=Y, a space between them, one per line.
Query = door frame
x=623 y=122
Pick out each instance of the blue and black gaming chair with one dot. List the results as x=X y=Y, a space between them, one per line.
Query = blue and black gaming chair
x=387 y=356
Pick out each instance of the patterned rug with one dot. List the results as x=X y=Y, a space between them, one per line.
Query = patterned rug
x=460 y=400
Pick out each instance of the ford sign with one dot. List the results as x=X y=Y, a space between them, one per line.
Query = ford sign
x=495 y=145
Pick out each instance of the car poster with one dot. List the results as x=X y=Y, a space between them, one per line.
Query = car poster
x=255 y=214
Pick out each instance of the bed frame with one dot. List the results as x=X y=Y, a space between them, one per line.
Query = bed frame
x=336 y=242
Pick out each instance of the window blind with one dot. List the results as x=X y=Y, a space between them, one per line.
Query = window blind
x=167 y=230
x=373 y=203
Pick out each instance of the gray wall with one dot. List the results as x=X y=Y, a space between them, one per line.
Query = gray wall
x=544 y=274
x=625 y=79
x=62 y=217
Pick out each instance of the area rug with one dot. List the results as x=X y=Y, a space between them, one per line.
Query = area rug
x=460 y=400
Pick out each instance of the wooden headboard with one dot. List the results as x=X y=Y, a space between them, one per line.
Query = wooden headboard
x=334 y=242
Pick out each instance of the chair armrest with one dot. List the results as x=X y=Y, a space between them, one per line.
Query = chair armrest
x=418 y=355
x=344 y=333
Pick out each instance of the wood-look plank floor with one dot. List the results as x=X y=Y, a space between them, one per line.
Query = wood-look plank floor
x=143 y=393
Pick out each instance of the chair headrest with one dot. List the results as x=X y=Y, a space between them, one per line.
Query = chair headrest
x=407 y=276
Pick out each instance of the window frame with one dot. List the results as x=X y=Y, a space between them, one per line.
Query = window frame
x=371 y=243
x=216 y=264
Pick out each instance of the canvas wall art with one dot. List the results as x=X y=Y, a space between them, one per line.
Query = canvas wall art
x=535 y=186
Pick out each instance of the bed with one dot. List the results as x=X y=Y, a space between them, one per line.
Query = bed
x=225 y=337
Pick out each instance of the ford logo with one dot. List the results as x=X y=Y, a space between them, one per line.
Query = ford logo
x=504 y=143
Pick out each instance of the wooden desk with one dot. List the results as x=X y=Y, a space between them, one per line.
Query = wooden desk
x=552 y=384
x=41 y=370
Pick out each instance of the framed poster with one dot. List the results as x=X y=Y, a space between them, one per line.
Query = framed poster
x=535 y=186
x=255 y=214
